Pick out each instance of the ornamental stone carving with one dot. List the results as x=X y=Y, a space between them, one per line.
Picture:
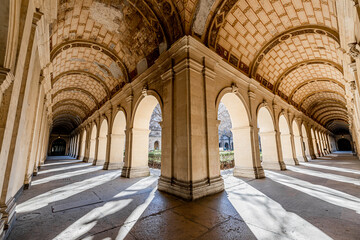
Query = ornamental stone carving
x=354 y=50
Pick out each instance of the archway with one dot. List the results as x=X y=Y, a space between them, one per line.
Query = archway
x=92 y=144
x=58 y=147
x=102 y=143
x=83 y=144
x=285 y=138
x=297 y=141
x=344 y=144
x=116 y=159
x=144 y=121
x=267 y=140
x=305 y=143
x=232 y=107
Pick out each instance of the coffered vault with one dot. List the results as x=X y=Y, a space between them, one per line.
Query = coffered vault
x=290 y=47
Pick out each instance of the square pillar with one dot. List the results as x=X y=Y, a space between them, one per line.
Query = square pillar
x=136 y=166
x=116 y=157
x=287 y=149
x=270 y=151
x=190 y=167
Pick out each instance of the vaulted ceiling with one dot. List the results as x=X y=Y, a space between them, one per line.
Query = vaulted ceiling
x=289 y=46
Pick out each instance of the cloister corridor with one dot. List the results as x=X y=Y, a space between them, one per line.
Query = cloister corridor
x=70 y=199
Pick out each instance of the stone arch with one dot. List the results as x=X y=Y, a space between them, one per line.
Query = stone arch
x=116 y=158
x=268 y=143
x=344 y=144
x=285 y=138
x=140 y=133
x=239 y=116
x=93 y=137
x=102 y=145
x=234 y=90
x=58 y=147
x=145 y=95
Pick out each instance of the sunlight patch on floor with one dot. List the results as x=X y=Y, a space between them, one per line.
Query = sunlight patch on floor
x=266 y=218
x=329 y=195
x=134 y=216
x=65 y=175
x=329 y=176
x=83 y=225
x=60 y=163
x=331 y=168
x=78 y=165
x=64 y=192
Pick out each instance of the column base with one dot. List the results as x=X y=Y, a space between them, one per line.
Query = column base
x=191 y=190
x=313 y=156
x=303 y=159
x=35 y=173
x=27 y=182
x=110 y=165
x=134 y=172
x=291 y=161
x=91 y=160
x=274 y=165
x=85 y=159
x=8 y=215
x=99 y=162
x=249 y=172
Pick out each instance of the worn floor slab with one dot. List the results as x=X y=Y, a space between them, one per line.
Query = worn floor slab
x=74 y=200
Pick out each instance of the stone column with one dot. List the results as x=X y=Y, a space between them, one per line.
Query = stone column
x=136 y=167
x=243 y=157
x=316 y=147
x=194 y=162
x=87 y=144
x=34 y=139
x=100 y=160
x=287 y=145
x=128 y=138
x=328 y=143
x=109 y=115
x=96 y=140
x=319 y=143
x=299 y=148
x=292 y=140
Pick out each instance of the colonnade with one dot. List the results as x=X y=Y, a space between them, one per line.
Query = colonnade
x=116 y=136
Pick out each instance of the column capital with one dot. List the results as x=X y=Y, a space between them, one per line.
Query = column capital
x=36 y=17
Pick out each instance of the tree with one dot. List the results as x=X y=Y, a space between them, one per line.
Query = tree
x=225 y=124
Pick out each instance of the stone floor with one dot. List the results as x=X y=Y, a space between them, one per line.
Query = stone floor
x=70 y=199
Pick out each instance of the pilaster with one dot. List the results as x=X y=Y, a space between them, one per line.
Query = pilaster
x=257 y=171
x=7 y=202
